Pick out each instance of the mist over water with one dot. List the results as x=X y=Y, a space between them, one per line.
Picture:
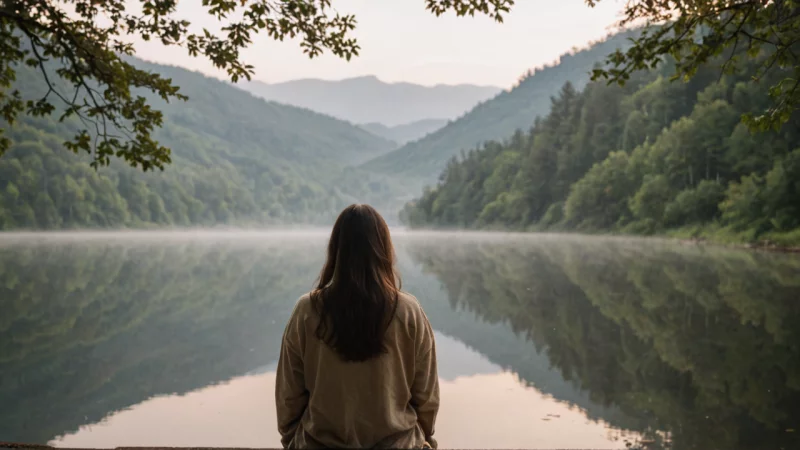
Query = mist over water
x=544 y=341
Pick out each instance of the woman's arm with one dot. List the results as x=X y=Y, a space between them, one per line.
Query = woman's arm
x=291 y=395
x=425 y=389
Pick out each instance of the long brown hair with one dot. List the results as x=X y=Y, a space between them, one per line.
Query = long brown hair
x=356 y=295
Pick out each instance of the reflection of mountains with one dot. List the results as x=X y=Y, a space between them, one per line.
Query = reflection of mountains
x=641 y=337
x=89 y=329
x=705 y=344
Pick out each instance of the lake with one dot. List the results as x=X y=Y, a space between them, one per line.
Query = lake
x=544 y=341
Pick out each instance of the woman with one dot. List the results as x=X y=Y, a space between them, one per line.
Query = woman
x=357 y=367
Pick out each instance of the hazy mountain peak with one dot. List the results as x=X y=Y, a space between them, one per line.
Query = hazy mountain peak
x=367 y=99
x=373 y=78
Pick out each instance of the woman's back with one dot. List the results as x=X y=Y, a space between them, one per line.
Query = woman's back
x=357 y=367
x=388 y=401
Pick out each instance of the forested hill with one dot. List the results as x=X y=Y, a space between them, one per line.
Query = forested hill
x=496 y=118
x=645 y=158
x=293 y=133
x=236 y=159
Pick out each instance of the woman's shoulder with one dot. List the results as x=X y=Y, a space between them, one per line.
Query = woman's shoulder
x=304 y=305
x=410 y=316
x=408 y=298
x=407 y=304
x=304 y=299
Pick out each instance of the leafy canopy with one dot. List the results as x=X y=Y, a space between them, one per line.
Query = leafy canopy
x=693 y=32
x=80 y=49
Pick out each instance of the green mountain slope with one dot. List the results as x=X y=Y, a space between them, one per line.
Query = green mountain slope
x=496 y=118
x=368 y=99
x=236 y=159
x=286 y=132
x=650 y=157
x=405 y=133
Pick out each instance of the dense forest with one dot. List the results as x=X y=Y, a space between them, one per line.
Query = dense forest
x=695 y=348
x=647 y=157
x=235 y=159
x=496 y=118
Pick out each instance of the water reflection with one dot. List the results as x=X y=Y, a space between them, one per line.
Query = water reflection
x=486 y=409
x=544 y=341
x=703 y=343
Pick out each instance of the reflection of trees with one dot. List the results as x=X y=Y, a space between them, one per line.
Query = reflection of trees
x=491 y=334
x=703 y=343
x=90 y=329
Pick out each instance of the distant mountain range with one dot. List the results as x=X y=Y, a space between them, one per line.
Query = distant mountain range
x=367 y=99
x=495 y=119
x=405 y=133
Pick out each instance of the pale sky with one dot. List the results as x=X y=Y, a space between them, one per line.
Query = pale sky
x=401 y=41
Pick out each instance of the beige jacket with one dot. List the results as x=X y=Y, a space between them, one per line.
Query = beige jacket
x=387 y=402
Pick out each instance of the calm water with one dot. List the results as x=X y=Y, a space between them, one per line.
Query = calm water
x=544 y=342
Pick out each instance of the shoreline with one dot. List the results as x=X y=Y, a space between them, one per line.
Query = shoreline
x=767 y=246
x=679 y=236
